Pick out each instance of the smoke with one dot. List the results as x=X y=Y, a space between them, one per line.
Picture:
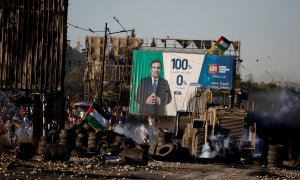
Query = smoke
x=277 y=118
x=218 y=146
x=260 y=147
x=22 y=135
x=138 y=132
x=277 y=107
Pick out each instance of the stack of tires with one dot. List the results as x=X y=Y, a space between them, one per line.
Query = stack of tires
x=42 y=145
x=81 y=140
x=109 y=143
x=67 y=136
x=53 y=137
x=92 y=142
x=164 y=149
x=275 y=155
x=132 y=153
x=82 y=132
x=165 y=146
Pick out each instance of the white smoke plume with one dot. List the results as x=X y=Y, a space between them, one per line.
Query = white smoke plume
x=218 y=146
x=138 y=132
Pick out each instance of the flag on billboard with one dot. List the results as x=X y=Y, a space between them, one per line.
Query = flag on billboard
x=221 y=45
x=96 y=117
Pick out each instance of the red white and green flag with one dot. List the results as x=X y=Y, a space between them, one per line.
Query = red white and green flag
x=96 y=117
x=221 y=45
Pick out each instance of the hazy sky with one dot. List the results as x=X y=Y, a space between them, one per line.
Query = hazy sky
x=269 y=30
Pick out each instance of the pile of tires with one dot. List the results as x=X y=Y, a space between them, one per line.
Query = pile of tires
x=82 y=140
x=163 y=148
x=92 y=142
x=67 y=136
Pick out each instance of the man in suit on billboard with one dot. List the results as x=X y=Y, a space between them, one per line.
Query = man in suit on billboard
x=153 y=92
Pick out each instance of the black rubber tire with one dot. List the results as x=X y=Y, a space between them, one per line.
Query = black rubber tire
x=44 y=138
x=275 y=155
x=165 y=150
x=135 y=157
x=42 y=143
x=153 y=146
x=164 y=134
x=197 y=142
x=63 y=135
x=101 y=143
x=63 y=141
x=81 y=135
x=128 y=143
x=120 y=138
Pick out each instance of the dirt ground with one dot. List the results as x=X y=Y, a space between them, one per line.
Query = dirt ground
x=95 y=168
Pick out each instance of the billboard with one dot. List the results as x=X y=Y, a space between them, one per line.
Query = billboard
x=177 y=76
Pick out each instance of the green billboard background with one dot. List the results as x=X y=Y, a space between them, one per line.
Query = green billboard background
x=141 y=68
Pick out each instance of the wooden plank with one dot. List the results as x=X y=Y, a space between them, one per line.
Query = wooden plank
x=32 y=51
x=31 y=33
x=10 y=43
x=39 y=72
x=52 y=47
x=2 y=62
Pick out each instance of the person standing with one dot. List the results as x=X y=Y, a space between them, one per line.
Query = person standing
x=153 y=93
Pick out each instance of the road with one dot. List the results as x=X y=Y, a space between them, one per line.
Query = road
x=94 y=168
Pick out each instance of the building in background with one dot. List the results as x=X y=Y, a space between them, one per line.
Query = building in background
x=75 y=57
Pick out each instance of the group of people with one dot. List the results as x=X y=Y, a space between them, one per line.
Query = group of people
x=118 y=115
x=16 y=124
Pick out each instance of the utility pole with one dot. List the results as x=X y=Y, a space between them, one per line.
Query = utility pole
x=102 y=70
x=125 y=60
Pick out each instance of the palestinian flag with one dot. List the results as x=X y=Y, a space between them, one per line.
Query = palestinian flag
x=96 y=117
x=221 y=45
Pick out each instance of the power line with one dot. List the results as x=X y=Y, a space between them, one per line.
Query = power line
x=84 y=29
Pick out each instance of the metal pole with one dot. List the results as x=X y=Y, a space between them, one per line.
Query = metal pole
x=103 y=64
x=44 y=120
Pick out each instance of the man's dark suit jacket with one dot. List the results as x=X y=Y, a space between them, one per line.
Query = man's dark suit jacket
x=145 y=89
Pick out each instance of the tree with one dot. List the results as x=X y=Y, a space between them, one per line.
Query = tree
x=74 y=85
